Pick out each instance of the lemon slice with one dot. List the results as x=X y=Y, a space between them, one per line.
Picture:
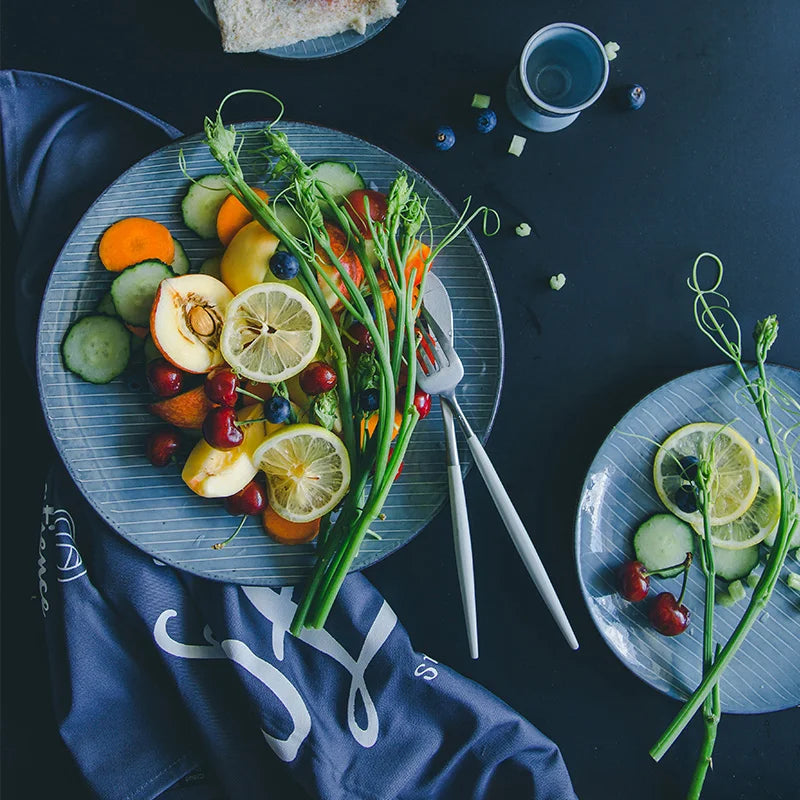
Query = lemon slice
x=307 y=469
x=757 y=523
x=734 y=478
x=271 y=332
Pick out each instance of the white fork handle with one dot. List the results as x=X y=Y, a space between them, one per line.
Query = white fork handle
x=461 y=537
x=519 y=536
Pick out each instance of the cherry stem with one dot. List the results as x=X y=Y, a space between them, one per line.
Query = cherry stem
x=659 y=572
x=220 y=545
x=241 y=422
x=249 y=394
x=686 y=564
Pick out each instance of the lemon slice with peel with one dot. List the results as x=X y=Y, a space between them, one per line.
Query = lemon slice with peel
x=734 y=471
x=271 y=332
x=307 y=470
x=757 y=523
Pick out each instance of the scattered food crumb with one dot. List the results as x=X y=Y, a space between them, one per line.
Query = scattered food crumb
x=523 y=229
x=557 y=281
x=481 y=100
x=761 y=440
x=517 y=145
x=611 y=48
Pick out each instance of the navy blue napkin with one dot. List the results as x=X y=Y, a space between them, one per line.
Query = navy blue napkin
x=154 y=671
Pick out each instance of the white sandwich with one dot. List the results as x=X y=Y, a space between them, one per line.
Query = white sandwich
x=248 y=25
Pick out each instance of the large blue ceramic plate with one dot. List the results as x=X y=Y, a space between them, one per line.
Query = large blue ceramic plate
x=618 y=494
x=100 y=430
x=322 y=47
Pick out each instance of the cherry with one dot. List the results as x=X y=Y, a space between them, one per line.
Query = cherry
x=164 y=379
x=250 y=500
x=378 y=208
x=360 y=340
x=162 y=445
x=422 y=400
x=634 y=581
x=669 y=616
x=221 y=388
x=220 y=429
x=317 y=378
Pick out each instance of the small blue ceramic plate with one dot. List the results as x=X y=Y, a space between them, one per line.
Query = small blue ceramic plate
x=322 y=47
x=100 y=430
x=618 y=495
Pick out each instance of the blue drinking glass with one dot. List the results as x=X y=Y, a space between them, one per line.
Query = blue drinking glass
x=563 y=70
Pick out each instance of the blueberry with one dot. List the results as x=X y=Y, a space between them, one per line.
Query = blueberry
x=370 y=301
x=634 y=96
x=486 y=121
x=276 y=410
x=284 y=266
x=369 y=399
x=445 y=138
x=685 y=499
x=688 y=466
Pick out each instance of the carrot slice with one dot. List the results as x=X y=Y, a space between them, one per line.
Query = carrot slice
x=416 y=260
x=233 y=216
x=285 y=532
x=138 y=331
x=372 y=423
x=135 y=239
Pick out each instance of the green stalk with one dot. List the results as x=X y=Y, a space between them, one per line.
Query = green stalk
x=711 y=716
x=765 y=334
x=366 y=519
x=711 y=705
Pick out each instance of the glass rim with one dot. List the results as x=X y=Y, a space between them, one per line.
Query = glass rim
x=523 y=77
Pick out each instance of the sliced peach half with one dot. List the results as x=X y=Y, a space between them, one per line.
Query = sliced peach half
x=245 y=261
x=186 y=321
x=220 y=473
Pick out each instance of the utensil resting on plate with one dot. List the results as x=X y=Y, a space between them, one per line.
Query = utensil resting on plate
x=443 y=372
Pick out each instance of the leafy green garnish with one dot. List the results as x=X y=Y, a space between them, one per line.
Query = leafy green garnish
x=325 y=409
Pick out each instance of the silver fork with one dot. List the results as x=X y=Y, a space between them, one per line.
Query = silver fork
x=443 y=373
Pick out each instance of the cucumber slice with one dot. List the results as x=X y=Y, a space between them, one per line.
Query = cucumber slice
x=180 y=264
x=289 y=219
x=201 y=205
x=106 y=306
x=97 y=348
x=663 y=541
x=134 y=290
x=725 y=600
x=732 y=565
x=339 y=178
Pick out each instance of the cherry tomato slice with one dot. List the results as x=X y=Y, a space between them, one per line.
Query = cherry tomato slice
x=355 y=207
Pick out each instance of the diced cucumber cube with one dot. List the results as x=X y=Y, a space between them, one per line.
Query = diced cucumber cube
x=793 y=581
x=517 y=145
x=481 y=100
x=724 y=599
x=736 y=590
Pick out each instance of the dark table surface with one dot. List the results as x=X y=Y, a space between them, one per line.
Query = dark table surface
x=621 y=202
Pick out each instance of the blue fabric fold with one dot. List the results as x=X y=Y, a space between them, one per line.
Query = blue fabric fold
x=156 y=672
